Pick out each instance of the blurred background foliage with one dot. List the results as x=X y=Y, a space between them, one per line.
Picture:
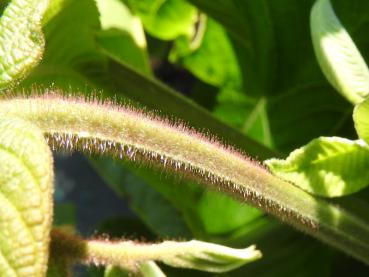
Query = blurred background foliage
x=241 y=70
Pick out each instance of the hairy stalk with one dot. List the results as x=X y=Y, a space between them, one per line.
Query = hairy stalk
x=75 y=124
x=131 y=255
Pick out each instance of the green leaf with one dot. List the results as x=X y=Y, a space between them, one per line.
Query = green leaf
x=207 y=256
x=329 y=167
x=71 y=57
x=164 y=220
x=55 y=6
x=122 y=34
x=306 y=112
x=280 y=72
x=337 y=54
x=200 y=55
x=361 y=120
x=250 y=23
x=166 y=19
x=306 y=257
x=151 y=269
x=231 y=215
x=69 y=36
x=26 y=177
x=249 y=115
x=21 y=39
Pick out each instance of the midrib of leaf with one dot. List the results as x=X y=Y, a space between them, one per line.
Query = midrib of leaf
x=318 y=162
x=250 y=120
x=266 y=128
x=76 y=125
x=259 y=111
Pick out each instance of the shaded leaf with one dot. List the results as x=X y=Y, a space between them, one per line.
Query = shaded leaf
x=151 y=269
x=283 y=60
x=153 y=209
x=54 y=7
x=231 y=215
x=250 y=23
x=306 y=257
x=71 y=60
x=166 y=19
x=201 y=56
x=122 y=34
x=306 y=112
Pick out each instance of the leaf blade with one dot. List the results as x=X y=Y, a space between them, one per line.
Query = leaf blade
x=25 y=199
x=21 y=39
x=361 y=121
x=329 y=167
x=337 y=54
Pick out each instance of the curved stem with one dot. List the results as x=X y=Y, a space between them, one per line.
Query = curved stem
x=130 y=254
x=75 y=124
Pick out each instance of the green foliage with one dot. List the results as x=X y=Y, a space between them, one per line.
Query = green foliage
x=22 y=41
x=25 y=199
x=332 y=167
x=122 y=34
x=361 y=113
x=328 y=167
x=282 y=84
x=200 y=55
x=158 y=17
x=337 y=54
x=253 y=68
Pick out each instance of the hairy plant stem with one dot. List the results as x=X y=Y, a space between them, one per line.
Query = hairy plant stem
x=74 y=124
x=131 y=255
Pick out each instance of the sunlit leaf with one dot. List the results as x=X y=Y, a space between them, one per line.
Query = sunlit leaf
x=122 y=34
x=201 y=56
x=328 y=167
x=26 y=177
x=337 y=54
x=21 y=39
x=361 y=120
